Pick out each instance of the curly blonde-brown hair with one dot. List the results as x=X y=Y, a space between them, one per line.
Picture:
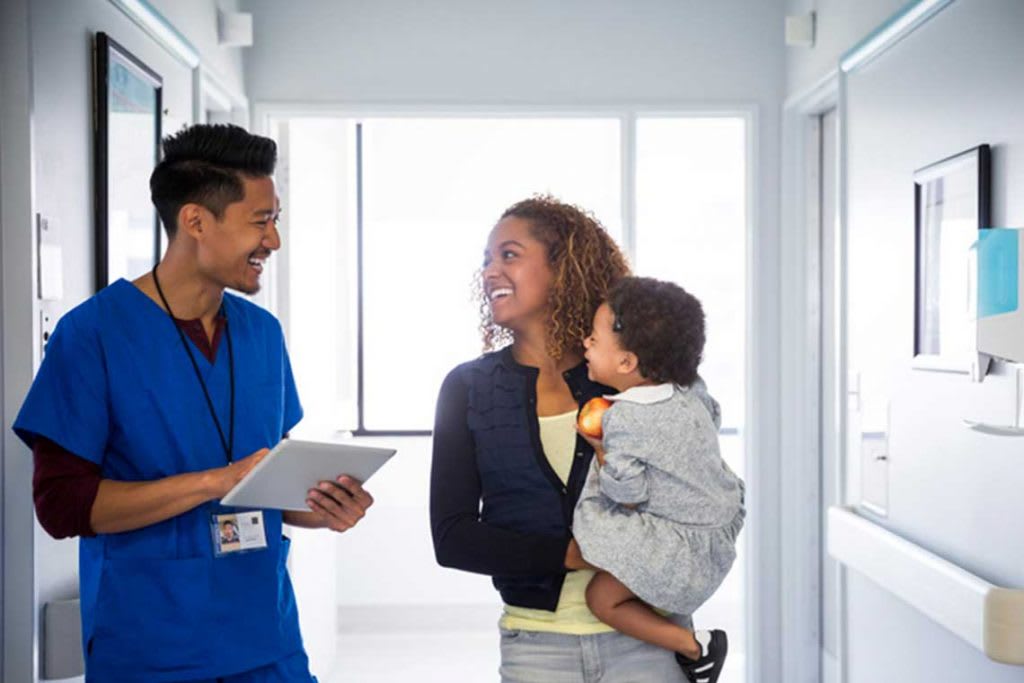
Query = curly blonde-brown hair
x=585 y=261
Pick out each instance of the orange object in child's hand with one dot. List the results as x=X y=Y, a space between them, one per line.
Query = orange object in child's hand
x=589 y=420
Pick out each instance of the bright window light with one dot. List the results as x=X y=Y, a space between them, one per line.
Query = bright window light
x=432 y=191
x=691 y=229
x=318 y=286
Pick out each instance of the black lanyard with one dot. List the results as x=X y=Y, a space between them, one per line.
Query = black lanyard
x=229 y=442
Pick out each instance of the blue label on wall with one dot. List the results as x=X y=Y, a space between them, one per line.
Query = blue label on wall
x=998 y=271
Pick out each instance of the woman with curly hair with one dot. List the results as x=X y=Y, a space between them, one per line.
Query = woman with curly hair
x=660 y=511
x=508 y=465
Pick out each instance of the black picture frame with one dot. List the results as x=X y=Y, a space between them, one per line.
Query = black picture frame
x=127 y=128
x=952 y=202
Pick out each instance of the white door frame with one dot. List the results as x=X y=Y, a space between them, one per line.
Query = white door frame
x=18 y=647
x=806 y=385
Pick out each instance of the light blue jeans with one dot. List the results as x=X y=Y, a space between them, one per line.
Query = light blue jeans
x=538 y=657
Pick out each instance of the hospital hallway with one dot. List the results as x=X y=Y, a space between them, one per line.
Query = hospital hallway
x=836 y=185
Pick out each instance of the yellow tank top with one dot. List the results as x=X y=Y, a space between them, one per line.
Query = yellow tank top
x=571 y=616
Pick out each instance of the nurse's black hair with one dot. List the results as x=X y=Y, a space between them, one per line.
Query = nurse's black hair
x=204 y=164
x=662 y=324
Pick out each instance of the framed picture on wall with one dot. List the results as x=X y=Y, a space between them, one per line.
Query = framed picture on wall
x=952 y=202
x=128 y=98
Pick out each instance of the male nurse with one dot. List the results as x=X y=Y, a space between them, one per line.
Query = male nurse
x=154 y=399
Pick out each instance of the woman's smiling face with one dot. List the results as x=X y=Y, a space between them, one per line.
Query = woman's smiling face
x=517 y=277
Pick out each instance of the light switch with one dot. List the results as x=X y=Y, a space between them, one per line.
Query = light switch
x=46 y=325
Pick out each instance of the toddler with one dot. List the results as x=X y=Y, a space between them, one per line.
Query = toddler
x=661 y=510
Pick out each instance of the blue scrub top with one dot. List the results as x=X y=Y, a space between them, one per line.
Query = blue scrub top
x=117 y=388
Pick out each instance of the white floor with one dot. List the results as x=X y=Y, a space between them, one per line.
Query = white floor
x=463 y=648
x=390 y=658
x=373 y=649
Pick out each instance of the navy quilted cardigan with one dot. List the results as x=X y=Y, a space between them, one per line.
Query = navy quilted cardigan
x=496 y=505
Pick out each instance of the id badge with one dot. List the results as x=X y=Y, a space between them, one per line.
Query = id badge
x=238 y=532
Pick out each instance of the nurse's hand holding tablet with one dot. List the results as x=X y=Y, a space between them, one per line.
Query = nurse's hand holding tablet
x=223 y=479
x=299 y=478
x=336 y=505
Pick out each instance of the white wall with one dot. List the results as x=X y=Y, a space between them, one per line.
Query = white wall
x=952 y=84
x=840 y=24
x=533 y=51
x=573 y=54
x=197 y=21
x=57 y=160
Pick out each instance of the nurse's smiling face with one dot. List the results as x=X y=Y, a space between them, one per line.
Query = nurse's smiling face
x=233 y=251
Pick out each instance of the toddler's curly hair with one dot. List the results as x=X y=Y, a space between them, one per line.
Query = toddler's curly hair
x=662 y=324
x=585 y=261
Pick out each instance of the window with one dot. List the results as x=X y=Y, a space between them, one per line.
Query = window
x=386 y=220
x=691 y=229
x=415 y=199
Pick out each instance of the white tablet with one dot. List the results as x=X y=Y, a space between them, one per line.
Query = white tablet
x=282 y=480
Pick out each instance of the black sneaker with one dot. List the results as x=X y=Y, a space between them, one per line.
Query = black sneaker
x=708 y=667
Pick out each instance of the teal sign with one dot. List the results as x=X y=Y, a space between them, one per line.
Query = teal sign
x=998 y=271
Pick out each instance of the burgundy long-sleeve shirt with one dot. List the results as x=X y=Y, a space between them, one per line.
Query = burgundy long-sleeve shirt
x=64 y=485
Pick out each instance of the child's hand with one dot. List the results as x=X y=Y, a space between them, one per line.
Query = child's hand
x=574 y=558
x=596 y=444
